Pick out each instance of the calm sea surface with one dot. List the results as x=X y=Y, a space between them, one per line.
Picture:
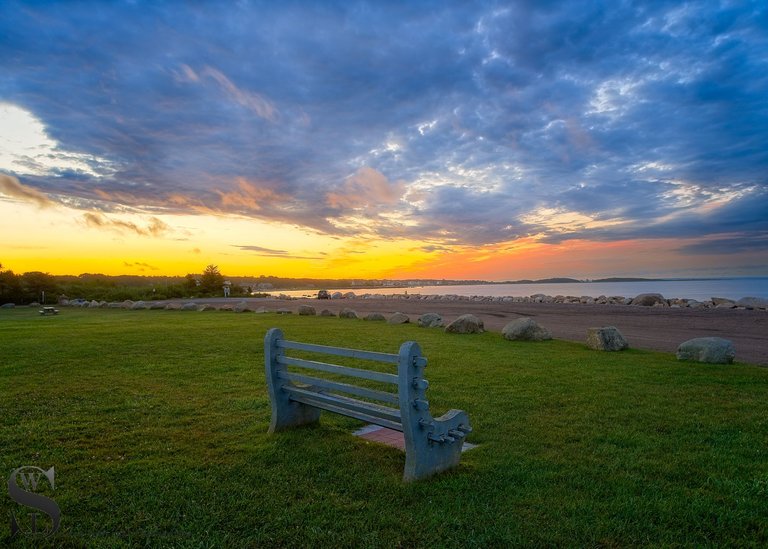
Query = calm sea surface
x=731 y=288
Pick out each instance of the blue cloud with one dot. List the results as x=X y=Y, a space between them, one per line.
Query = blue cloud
x=654 y=114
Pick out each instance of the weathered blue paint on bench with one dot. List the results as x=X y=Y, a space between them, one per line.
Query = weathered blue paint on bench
x=431 y=444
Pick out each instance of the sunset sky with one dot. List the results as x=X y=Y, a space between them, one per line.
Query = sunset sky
x=460 y=140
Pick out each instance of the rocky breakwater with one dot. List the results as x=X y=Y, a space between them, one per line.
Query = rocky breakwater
x=642 y=300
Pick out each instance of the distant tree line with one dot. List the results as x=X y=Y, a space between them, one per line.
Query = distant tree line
x=35 y=286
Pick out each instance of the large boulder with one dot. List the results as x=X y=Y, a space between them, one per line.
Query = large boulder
x=717 y=301
x=606 y=339
x=326 y=312
x=712 y=350
x=374 y=316
x=94 y=304
x=307 y=310
x=191 y=306
x=206 y=307
x=753 y=303
x=430 y=320
x=139 y=305
x=127 y=304
x=242 y=307
x=525 y=329
x=347 y=313
x=466 y=324
x=398 y=318
x=649 y=300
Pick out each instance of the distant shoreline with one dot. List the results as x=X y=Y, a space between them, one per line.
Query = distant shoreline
x=701 y=290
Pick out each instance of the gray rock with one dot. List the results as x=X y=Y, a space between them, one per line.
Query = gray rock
x=94 y=304
x=206 y=307
x=242 y=307
x=347 y=313
x=127 y=304
x=261 y=310
x=398 y=318
x=712 y=350
x=326 y=312
x=606 y=339
x=430 y=320
x=336 y=295
x=349 y=295
x=525 y=329
x=753 y=303
x=466 y=324
x=138 y=306
x=191 y=306
x=170 y=307
x=374 y=316
x=155 y=305
x=307 y=310
x=722 y=301
x=7 y=306
x=649 y=300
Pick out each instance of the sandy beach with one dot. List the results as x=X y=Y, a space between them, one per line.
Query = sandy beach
x=661 y=329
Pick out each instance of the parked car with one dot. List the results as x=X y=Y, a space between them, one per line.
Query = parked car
x=323 y=294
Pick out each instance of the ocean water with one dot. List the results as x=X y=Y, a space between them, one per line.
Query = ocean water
x=701 y=290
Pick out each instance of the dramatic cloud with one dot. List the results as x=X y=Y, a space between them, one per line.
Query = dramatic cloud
x=155 y=227
x=453 y=123
x=10 y=186
x=268 y=252
x=264 y=251
x=141 y=266
x=367 y=188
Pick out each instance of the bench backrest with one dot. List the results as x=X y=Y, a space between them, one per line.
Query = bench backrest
x=297 y=397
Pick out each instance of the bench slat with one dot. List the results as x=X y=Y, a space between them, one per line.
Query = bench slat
x=395 y=426
x=344 y=387
x=345 y=404
x=336 y=369
x=339 y=351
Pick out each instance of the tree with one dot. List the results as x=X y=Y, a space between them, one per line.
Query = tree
x=212 y=280
x=191 y=283
x=10 y=287
x=35 y=283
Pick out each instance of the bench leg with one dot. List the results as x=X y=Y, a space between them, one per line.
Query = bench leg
x=428 y=454
x=286 y=413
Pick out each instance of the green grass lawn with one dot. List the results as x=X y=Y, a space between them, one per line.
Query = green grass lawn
x=156 y=423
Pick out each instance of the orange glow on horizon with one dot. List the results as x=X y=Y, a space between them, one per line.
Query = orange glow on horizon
x=64 y=241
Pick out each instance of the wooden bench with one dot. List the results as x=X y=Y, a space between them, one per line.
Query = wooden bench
x=431 y=444
x=48 y=311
